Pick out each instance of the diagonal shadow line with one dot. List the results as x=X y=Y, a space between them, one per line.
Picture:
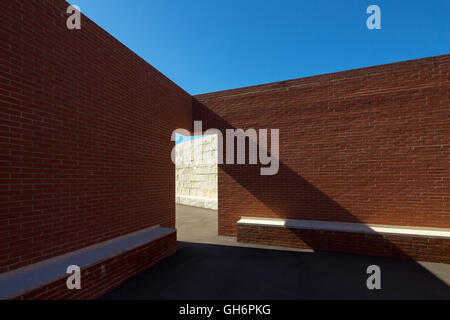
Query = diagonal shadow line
x=309 y=203
x=187 y=275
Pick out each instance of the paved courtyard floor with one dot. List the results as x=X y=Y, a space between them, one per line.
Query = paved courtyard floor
x=207 y=266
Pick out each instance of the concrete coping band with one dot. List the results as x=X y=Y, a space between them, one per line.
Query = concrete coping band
x=208 y=203
x=443 y=233
x=28 y=278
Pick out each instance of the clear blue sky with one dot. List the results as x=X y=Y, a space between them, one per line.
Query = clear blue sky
x=180 y=138
x=211 y=45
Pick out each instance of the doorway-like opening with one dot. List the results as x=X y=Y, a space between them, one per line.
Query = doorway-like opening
x=196 y=187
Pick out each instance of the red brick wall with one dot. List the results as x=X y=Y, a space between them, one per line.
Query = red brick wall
x=369 y=145
x=85 y=130
x=394 y=246
x=102 y=277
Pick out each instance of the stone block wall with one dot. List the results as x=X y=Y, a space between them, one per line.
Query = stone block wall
x=196 y=172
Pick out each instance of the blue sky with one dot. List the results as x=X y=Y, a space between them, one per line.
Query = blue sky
x=180 y=138
x=211 y=45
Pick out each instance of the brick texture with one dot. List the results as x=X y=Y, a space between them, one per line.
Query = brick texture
x=406 y=247
x=85 y=148
x=85 y=130
x=102 y=277
x=369 y=145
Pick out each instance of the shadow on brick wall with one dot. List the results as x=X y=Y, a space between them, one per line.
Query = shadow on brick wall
x=306 y=203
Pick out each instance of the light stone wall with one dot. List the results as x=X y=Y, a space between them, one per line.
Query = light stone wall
x=196 y=172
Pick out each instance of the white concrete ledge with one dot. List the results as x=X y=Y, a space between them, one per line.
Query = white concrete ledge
x=209 y=203
x=22 y=280
x=347 y=227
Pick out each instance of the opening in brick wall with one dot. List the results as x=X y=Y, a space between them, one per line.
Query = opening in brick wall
x=196 y=186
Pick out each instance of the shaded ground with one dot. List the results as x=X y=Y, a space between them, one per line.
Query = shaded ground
x=200 y=226
x=207 y=266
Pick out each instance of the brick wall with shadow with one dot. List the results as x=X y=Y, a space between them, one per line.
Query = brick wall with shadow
x=363 y=146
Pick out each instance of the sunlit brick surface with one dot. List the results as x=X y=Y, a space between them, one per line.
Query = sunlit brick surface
x=85 y=136
x=369 y=145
